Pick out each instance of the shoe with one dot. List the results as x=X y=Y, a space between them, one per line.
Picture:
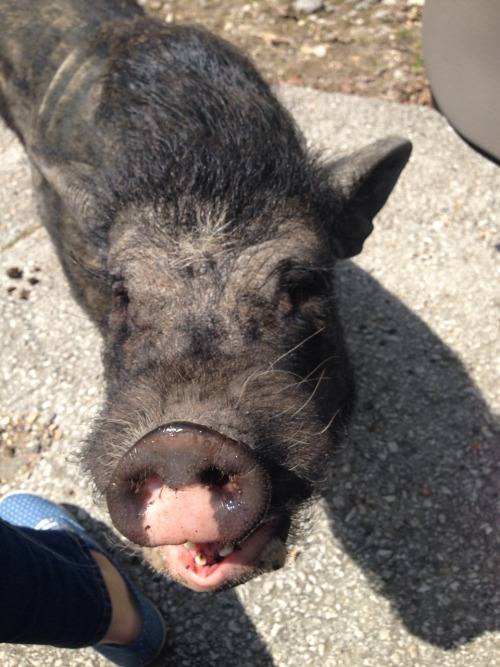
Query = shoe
x=30 y=511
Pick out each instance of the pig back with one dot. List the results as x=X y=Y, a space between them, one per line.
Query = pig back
x=36 y=39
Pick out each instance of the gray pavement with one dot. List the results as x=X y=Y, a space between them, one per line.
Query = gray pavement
x=400 y=565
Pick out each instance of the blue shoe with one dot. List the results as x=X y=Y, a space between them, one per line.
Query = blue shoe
x=30 y=511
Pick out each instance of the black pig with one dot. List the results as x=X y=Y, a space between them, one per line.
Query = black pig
x=200 y=234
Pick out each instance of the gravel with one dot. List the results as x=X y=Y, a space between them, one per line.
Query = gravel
x=399 y=563
x=308 y=6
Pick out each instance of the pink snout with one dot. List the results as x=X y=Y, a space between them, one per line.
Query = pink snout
x=187 y=483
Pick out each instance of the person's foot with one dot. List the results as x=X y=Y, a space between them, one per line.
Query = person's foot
x=136 y=634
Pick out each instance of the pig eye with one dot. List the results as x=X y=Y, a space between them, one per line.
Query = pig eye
x=303 y=285
x=120 y=294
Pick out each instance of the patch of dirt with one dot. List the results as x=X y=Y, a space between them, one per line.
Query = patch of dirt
x=22 y=439
x=363 y=47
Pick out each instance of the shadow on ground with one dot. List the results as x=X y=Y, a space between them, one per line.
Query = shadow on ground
x=414 y=498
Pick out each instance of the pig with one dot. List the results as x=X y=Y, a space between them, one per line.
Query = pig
x=201 y=235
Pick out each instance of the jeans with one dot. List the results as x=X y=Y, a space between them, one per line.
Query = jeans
x=51 y=589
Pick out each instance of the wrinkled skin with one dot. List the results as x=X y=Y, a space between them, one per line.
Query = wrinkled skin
x=201 y=236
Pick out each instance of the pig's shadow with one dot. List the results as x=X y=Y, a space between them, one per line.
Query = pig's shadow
x=194 y=620
x=414 y=497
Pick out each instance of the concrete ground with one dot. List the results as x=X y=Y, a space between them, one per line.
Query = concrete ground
x=401 y=564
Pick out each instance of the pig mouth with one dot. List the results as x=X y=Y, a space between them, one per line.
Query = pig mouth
x=211 y=567
x=198 y=497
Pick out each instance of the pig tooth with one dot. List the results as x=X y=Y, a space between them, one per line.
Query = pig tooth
x=189 y=545
x=200 y=559
x=226 y=550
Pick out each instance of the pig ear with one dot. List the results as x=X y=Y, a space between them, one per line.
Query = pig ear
x=364 y=181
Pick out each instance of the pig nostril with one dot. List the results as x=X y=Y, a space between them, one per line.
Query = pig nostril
x=148 y=484
x=214 y=477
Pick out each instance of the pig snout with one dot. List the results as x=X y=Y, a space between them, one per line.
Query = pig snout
x=187 y=483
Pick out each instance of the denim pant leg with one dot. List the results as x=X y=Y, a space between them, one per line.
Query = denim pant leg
x=51 y=589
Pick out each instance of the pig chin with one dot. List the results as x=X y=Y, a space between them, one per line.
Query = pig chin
x=215 y=566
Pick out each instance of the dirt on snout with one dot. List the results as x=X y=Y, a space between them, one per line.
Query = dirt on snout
x=363 y=47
